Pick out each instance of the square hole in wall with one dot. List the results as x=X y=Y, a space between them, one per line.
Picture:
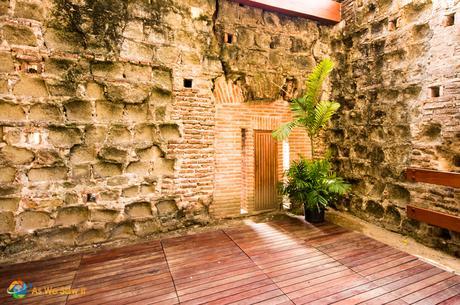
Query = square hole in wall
x=229 y=38
x=188 y=83
x=449 y=20
x=435 y=91
x=393 y=25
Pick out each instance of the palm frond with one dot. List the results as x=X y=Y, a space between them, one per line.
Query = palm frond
x=324 y=110
x=284 y=130
x=338 y=186
x=316 y=79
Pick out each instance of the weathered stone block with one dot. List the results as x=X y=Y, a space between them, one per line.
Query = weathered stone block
x=64 y=137
x=31 y=9
x=160 y=113
x=139 y=168
x=150 y=154
x=30 y=221
x=107 y=69
x=162 y=80
x=79 y=111
x=81 y=172
x=145 y=228
x=117 y=181
x=127 y=93
x=107 y=112
x=6 y=62
x=104 y=170
x=167 y=207
x=109 y=195
x=104 y=215
x=47 y=174
x=136 y=113
x=113 y=154
x=16 y=155
x=4 y=4
x=9 y=190
x=66 y=41
x=398 y=194
x=30 y=86
x=7 y=174
x=95 y=135
x=92 y=236
x=139 y=210
x=70 y=216
x=61 y=88
x=160 y=98
x=82 y=154
x=145 y=134
x=9 y=204
x=122 y=231
x=132 y=191
x=4 y=87
x=19 y=35
x=56 y=237
x=170 y=132
x=11 y=112
x=119 y=135
x=148 y=189
x=6 y=222
x=46 y=113
x=375 y=209
x=138 y=72
x=71 y=198
x=94 y=91
x=136 y=51
x=164 y=166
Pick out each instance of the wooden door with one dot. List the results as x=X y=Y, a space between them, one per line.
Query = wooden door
x=265 y=171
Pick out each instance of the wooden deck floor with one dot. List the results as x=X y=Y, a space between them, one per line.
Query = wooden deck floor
x=280 y=262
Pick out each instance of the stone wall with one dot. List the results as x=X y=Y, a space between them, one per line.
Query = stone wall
x=108 y=116
x=398 y=80
x=100 y=139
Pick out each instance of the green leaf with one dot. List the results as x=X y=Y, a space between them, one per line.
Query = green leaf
x=284 y=130
x=316 y=79
x=323 y=113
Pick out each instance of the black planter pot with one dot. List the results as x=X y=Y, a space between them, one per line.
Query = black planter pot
x=313 y=215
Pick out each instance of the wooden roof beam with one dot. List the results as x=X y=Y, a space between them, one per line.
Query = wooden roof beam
x=326 y=11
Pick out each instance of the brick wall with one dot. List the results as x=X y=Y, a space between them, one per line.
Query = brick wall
x=234 y=183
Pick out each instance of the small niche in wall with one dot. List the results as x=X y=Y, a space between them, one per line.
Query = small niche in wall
x=393 y=24
x=229 y=38
x=435 y=91
x=188 y=83
x=449 y=20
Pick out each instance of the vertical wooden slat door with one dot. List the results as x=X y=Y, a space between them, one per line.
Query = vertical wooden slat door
x=265 y=171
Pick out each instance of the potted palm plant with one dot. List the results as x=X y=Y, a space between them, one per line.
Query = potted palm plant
x=312 y=182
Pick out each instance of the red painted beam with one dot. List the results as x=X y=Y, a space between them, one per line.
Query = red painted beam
x=434 y=177
x=327 y=11
x=434 y=218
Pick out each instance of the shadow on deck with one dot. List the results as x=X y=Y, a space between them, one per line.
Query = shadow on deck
x=279 y=262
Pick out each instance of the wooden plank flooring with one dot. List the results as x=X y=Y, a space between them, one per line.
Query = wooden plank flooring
x=280 y=262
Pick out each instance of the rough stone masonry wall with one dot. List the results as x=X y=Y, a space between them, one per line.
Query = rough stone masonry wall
x=392 y=56
x=99 y=139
